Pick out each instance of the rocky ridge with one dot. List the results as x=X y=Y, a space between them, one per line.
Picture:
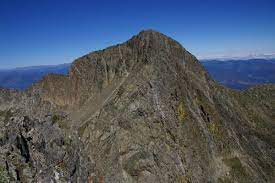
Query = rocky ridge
x=141 y=111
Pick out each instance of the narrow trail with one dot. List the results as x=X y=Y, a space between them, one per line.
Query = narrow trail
x=95 y=104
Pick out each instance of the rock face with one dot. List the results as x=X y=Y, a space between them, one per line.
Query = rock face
x=38 y=151
x=141 y=111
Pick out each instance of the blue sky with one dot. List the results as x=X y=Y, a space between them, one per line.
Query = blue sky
x=47 y=32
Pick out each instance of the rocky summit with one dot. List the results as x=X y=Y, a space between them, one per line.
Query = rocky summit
x=141 y=111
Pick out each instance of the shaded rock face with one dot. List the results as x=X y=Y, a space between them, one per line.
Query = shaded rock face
x=141 y=111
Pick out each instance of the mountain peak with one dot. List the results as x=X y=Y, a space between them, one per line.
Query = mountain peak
x=150 y=32
x=100 y=69
x=141 y=111
x=154 y=40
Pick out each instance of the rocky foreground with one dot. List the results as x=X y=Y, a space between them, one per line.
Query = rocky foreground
x=141 y=111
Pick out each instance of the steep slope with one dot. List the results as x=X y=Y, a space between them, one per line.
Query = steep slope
x=146 y=111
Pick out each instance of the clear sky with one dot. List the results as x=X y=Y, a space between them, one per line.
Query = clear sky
x=43 y=32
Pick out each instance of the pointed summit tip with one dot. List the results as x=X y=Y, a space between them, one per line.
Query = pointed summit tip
x=156 y=39
x=151 y=34
x=148 y=32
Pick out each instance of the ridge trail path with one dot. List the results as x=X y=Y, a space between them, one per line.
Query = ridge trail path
x=94 y=104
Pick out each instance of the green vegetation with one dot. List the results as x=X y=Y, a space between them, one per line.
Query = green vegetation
x=182 y=179
x=224 y=180
x=130 y=87
x=56 y=118
x=3 y=175
x=181 y=112
x=59 y=120
x=211 y=117
x=215 y=129
x=236 y=168
x=6 y=115
x=82 y=129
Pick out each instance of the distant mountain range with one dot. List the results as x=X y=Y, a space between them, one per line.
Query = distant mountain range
x=241 y=74
x=236 y=74
x=239 y=58
x=22 y=78
x=144 y=110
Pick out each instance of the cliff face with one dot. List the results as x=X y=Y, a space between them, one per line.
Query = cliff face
x=96 y=71
x=146 y=111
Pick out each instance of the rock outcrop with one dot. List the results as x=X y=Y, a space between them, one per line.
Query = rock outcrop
x=141 y=111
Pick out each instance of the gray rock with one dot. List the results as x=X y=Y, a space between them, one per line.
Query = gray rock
x=141 y=111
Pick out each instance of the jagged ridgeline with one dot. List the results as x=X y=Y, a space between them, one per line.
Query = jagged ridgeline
x=141 y=111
